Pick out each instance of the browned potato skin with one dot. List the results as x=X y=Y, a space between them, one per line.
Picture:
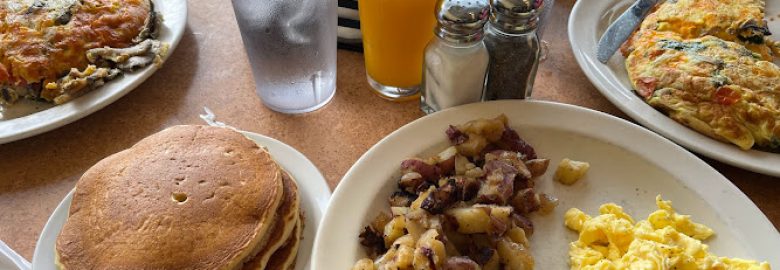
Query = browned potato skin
x=446 y=160
x=538 y=166
x=429 y=172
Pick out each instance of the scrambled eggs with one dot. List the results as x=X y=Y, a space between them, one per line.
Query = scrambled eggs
x=666 y=240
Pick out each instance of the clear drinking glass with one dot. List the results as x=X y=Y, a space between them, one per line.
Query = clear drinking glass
x=291 y=45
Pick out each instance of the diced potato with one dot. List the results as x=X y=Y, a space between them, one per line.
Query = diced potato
x=547 y=203
x=570 y=171
x=517 y=235
x=481 y=132
x=500 y=212
x=399 y=211
x=477 y=218
x=538 y=166
x=428 y=250
x=447 y=154
x=399 y=255
x=364 y=264
x=491 y=129
x=446 y=160
x=394 y=229
x=473 y=146
x=414 y=224
x=416 y=203
x=475 y=173
x=433 y=222
x=462 y=164
x=471 y=219
x=380 y=221
x=514 y=256
x=404 y=257
x=494 y=263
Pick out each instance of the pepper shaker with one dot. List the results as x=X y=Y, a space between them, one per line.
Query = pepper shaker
x=456 y=61
x=511 y=39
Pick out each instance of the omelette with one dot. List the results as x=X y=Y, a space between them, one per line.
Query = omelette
x=731 y=20
x=719 y=88
x=707 y=64
x=55 y=50
x=665 y=240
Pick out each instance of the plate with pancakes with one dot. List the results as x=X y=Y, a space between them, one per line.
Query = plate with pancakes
x=190 y=197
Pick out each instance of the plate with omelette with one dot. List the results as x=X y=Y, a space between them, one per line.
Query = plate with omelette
x=62 y=60
x=189 y=197
x=702 y=73
x=524 y=185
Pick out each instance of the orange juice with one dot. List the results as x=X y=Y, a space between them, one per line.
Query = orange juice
x=395 y=33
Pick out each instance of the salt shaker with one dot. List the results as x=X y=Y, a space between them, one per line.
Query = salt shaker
x=511 y=39
x=456 y=61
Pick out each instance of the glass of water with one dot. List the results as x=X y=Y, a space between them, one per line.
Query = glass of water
x=291 y=45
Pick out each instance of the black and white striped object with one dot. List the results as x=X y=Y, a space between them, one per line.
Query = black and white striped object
x=349 y=26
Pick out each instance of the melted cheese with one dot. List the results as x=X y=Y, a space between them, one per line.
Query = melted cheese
x=43 y=43
x=725 y=19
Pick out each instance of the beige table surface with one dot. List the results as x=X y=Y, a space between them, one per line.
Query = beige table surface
x=210 y=68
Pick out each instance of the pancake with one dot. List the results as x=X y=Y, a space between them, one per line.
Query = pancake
x=286 y=221
x=284 y=257
x=188 y=197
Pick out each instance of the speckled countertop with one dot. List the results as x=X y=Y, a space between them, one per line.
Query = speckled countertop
x=210 y=68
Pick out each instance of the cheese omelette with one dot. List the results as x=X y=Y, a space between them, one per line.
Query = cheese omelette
x=666 y=240
x=707 y=64
x=54 y=50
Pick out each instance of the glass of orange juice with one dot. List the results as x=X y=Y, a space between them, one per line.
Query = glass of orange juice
x=395 y=33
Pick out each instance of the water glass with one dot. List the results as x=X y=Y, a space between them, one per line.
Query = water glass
x=291 y=45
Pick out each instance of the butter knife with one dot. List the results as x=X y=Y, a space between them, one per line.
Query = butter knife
x=619 y=31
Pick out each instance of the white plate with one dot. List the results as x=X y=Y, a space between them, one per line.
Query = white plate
x=10 y=260
x=314 y=200
x=45 y=117
x=629 y=166
x=588 y=20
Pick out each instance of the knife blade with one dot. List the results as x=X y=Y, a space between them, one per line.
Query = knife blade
x=619 y=31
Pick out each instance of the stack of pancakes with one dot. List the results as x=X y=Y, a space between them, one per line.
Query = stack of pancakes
x=188 y=197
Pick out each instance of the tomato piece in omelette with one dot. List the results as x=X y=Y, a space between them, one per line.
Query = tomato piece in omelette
x=665 y=240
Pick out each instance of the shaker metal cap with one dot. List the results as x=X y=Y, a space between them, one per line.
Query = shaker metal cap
x=515 y=16
x=461 y=21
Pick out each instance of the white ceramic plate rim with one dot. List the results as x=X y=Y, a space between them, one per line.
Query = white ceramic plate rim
x=733 y=207
x=9 y=259
x=315 y=195
x=174 y=21
x=583 y=19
